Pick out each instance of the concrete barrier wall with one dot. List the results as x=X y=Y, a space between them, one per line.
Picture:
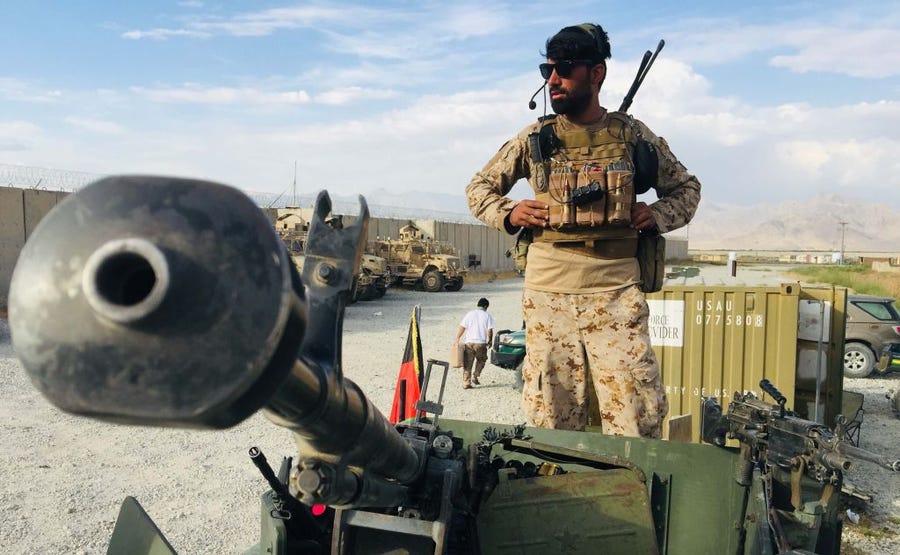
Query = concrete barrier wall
x=885 y=266
x=20 y=212
x=22 y=209
x=12 y=235
x=676 y=248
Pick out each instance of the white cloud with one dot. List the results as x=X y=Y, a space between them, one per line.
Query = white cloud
x=256 y=24
x=197 y=94
x=743 y=149
x=346 y=95
x=266 y=22
x=741 y=152
x=20 y=91
x=164 y=34
x=717 y=41
x=95 y=125
x=837 y=162
x=858 y=49
x=246 y=96
x=18 y=135
x=368 y=44
x=868 y=53
x=474 y=20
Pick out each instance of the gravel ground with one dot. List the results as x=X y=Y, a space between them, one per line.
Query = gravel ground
x=64 y=476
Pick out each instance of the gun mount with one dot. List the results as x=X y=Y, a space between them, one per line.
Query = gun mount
x=371 y=280
x=170 y=302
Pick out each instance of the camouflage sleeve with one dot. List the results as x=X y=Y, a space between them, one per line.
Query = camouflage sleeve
x=678 y=190
x=486 y=191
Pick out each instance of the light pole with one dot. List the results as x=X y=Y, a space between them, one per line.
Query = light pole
x=843 y=225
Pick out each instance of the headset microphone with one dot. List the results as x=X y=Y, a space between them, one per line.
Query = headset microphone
x=531 y=103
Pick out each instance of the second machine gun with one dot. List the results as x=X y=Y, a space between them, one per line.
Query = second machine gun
x=791 y=468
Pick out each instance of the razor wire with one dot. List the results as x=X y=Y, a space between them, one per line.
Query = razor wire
x=47 y=179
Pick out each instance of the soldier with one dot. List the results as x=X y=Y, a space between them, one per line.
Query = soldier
x=478 y=327
x=585 y=312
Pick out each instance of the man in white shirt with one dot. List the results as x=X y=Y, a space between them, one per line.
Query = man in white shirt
x=478 y=327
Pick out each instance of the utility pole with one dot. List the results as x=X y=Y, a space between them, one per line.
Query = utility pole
x=843 y=225
x=294 y=187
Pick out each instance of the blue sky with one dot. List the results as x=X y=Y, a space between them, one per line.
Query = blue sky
x=765 y=102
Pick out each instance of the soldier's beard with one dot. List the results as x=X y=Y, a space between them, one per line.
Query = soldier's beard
x=573 y=103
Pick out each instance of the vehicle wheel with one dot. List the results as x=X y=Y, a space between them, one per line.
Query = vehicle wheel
x=433 y=281
x=367 y=293
x=354 y=291
x=455 y=285
x=380 y=290
x=859 y=360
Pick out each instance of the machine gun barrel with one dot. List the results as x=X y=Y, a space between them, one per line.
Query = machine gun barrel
x=172 y=302
x=782 y=435
x=845 y=449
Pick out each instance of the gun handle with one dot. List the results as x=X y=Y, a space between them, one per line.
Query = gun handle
x=770 y=388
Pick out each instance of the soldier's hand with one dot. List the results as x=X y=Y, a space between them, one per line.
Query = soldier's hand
x=530 y=213
x=641 y=216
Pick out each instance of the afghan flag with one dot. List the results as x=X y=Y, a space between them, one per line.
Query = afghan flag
x=409 y=382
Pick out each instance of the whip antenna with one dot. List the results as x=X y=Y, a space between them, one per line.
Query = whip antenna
x=643 y=69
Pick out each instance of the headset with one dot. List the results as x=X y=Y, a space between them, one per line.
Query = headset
x=595 y=34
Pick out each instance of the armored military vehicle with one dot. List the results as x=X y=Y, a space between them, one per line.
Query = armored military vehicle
x=176 y=304
x=371 y=280
x=414 y=259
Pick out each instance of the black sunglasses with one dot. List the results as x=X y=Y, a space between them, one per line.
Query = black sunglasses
x=563 y=67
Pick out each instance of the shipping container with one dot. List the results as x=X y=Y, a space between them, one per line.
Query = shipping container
x=713 y=341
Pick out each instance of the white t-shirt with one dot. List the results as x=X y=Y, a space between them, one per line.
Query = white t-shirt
x=477 y=323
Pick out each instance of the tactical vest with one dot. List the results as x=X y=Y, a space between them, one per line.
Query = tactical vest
x=588 y=183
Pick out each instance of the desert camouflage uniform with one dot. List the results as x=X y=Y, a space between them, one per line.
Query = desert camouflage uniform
x=584 y=313
x=602 y=335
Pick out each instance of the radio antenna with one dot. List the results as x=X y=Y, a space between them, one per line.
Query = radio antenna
x=643 y=69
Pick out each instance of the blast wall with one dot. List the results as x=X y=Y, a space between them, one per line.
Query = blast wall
x=20 y=212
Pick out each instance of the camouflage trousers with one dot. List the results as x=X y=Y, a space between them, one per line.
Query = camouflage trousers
x=474 y=353
x=602 y=336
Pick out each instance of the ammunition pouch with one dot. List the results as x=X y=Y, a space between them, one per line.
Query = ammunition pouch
x=589 y=197
x=651 y=257
x=589 y=182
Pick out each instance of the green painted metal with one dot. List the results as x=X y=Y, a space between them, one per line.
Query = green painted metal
x=136 y=533
x=697 y=505
x=273 y=533
x=596 y=511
